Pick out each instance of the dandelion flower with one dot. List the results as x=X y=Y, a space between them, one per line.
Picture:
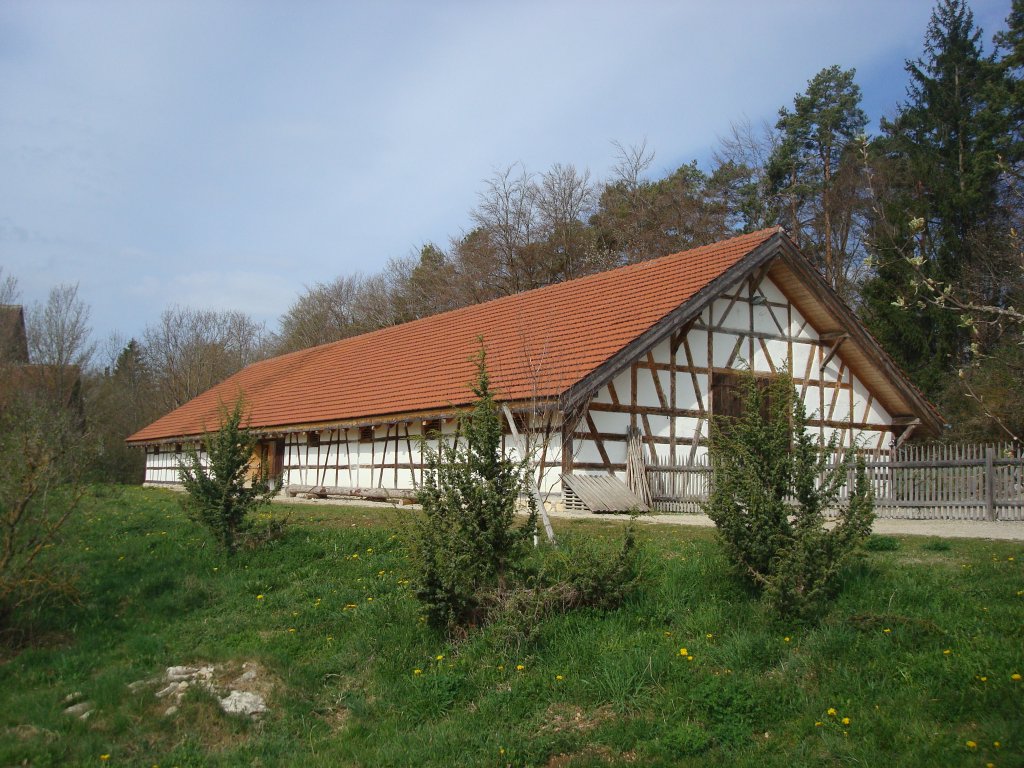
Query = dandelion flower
x=983 y=679
x=417 y=671
x=832 y=712
x=971 y=744
x=709 y=636
x=501 y=667
x=1015 y=677
x=559 y=677
x=259 y=597
x=689 y=658
x=520 y=667
x=683 y=652
x=947 y=652
x=845 y=721
x=887 y=630
x=996 y=744
x=439 y=657
x=104 y=757
x=818 y=724
x=785 y=639
x=291 y=629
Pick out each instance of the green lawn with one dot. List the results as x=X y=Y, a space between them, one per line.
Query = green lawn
x=918 y=653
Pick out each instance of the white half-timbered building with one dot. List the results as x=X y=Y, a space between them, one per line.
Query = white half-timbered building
x=624 y=366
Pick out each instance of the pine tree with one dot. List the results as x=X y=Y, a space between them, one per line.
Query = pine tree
x=814 y=171
x=936 y=181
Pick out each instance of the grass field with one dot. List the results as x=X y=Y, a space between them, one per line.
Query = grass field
x=914 y=665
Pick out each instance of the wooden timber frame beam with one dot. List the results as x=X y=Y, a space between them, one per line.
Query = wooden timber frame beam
x=581 y=392
x=910 y=423
x=837 y=338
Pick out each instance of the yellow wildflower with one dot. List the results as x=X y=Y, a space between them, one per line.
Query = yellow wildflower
x=104 y=757
x=259 y=597
x=559 y=677
x=1015 y=677
x=971 y=744
x=439 y=657
x=520 y=667
x=832 y=712
x=417 y=671
x=785 y=639
x=709 y=636
x=947 y=652
x=683 y=652
x=845 y=721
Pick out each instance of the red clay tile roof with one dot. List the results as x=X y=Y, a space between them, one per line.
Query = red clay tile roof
x=539 y=343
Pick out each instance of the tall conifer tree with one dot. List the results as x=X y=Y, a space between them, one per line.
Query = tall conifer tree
x=937 y=177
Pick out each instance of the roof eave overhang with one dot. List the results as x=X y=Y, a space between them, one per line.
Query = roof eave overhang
x=931 y=420
x=449 y=412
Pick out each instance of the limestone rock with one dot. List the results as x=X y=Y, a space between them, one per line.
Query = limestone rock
x=81 y=710
x=243 y=703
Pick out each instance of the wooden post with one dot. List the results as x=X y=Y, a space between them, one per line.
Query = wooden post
x=990 y=483
x=533 y=489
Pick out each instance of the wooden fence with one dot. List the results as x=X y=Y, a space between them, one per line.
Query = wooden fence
x=924 y=482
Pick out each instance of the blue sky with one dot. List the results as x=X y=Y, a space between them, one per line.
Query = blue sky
x=225 y=154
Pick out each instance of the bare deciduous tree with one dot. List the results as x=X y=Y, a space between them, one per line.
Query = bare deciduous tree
x=9 y=291
x=59 y=338
x=188 y=351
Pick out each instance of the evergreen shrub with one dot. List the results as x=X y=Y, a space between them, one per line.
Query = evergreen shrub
x=772 y=486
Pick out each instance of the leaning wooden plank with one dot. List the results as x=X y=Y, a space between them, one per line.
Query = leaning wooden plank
x=604 y=493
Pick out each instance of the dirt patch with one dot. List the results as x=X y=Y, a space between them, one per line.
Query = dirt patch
x=568 y=717
x=588 y=755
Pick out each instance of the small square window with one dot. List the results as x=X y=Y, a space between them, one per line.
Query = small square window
x=431 y=427
x=313 y=439
x=366 y=434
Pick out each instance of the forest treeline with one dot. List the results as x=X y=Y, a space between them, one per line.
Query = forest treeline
x=917 y=227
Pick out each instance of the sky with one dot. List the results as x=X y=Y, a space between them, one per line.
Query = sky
x=225 y=154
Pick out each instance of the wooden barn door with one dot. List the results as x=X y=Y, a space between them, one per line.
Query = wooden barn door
x=271 y=458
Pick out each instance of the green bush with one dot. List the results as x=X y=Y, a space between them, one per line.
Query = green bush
x=581 y=573
x=467 y=542
x=772 y=486
x=221 y=495
x=43 y=455
x=474 y=561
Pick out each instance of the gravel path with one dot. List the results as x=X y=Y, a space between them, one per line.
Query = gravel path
x=950 y=529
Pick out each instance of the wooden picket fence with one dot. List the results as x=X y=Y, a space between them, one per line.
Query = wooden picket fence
x=941 y=481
